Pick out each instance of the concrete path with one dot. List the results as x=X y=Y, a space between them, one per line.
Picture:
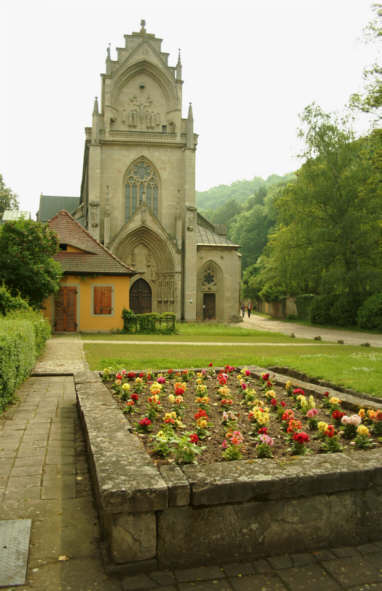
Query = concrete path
x=44 y=477
x=349 y=337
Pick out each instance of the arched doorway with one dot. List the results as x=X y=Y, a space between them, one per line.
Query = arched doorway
x=209 y=306
x=140 y=297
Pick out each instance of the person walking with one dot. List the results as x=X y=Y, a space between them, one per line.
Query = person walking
x=242 y=308
x=249 y=309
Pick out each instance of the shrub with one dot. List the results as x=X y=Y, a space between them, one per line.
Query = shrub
x=22 y=338
x=304 y=305
x=344 y=310
x=370 y=313
x=10 y=303
x=321 y=310
x=148 y=323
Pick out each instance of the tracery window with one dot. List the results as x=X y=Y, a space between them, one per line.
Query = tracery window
x=209 y=277
x=142 y=186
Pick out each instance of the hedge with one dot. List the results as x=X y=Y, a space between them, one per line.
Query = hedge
x=22 y=339
x=148 y=323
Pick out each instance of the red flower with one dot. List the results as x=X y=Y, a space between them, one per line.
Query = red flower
x=274 y=402
x=201 y=413
x=265 y=377
x=269 y=384
x=131 y=375
x=118 y=376
x=145 y=422
x=283 y=404
x=170 y=371
x=210 y=365
x=287 y=415
x=134 y=397
x=330 y=431
x=301 y=437
x=326 y=394
x=142 y=375
x=194 y=438
x=298 y=391
x=263 y=430
x=337 y=415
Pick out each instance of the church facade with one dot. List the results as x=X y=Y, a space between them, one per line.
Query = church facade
x=138 y=190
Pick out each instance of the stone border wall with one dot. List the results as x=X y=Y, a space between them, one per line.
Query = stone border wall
x=189 y=515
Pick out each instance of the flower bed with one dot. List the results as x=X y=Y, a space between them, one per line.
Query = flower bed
x=157 y=513
x=210 y=416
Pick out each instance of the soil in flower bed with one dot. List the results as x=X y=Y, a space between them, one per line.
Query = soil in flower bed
x=232 y=414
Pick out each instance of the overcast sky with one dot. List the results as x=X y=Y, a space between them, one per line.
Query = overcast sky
x=249 y=68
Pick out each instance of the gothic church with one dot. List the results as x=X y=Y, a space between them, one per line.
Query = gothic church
x=138 y=190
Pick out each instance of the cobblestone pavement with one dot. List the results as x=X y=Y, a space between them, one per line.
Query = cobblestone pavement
x=44 y=477
x=349 y=337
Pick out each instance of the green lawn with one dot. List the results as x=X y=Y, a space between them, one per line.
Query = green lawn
x=202 y=332
x=354 y=367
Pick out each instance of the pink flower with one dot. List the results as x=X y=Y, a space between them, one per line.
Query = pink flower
x=312 y=412
x=243 y=386
x=161 y=380
x=266 y=439
x=355 y=420
x=224 y=444
x=247 y=372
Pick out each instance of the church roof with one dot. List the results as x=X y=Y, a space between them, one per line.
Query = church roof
x=51 y=204
x=90 y=257
x=207 y=237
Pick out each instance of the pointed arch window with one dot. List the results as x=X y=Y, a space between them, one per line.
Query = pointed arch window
x=142 y=186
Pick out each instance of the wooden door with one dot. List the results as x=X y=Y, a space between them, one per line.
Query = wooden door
x=209 y=306
x=65 y=313
x=140 y=297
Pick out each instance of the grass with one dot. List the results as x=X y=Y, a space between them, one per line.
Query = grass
x=204 y=331
x=345 y=365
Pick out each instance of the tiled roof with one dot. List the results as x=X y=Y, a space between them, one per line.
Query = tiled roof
x=206 y=237
x=94 y=258
x=52 y=204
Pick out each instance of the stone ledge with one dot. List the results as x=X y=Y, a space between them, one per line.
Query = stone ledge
x=125 y=477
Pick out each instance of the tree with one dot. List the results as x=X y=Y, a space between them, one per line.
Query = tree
x=370 y=101
x=27 y=266
x=8 y=199
x=329 y=234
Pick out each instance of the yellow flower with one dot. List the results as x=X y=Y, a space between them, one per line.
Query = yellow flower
x=333 y=400
x=371 y=413
x=270 y=394
x=125 y=387
x=361 y=412
x=312 y=402
x=363 y=430
x=322 y=426
x=224 y=392
x=171 y=398
x=155 y=388
x=202 y=423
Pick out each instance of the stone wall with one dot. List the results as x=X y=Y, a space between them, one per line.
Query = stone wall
x=193 y=515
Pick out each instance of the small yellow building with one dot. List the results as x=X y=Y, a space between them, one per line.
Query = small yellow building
x=95 y=284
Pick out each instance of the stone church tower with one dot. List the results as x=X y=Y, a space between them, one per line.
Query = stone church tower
x=138 y=189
